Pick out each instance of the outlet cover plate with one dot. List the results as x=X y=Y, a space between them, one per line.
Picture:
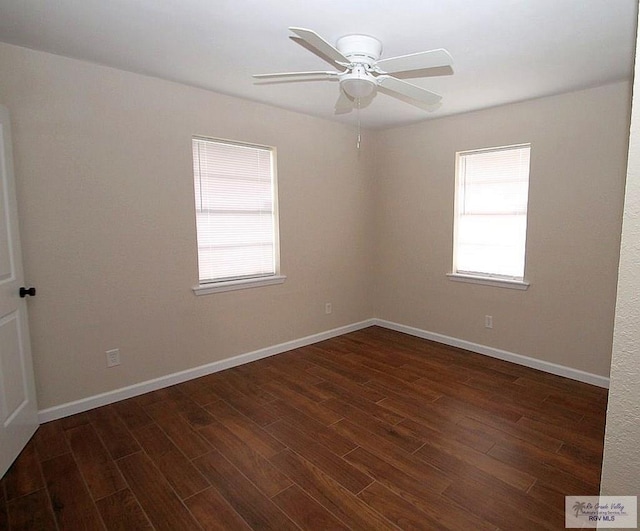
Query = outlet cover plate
x=113 y=357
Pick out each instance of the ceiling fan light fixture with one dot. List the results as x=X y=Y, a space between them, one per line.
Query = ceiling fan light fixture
x=358 y=83
x=358 y=88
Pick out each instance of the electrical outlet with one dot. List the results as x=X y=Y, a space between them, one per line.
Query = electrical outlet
x=113 y=357
x=488 y=321
x=328 y=308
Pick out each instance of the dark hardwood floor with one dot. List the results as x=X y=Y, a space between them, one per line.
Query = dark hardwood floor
x=371 y=430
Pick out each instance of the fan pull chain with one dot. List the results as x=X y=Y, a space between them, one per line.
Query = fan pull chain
x=358 y=114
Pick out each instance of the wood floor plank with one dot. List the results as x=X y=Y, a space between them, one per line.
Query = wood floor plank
x=153 y=396
x=372 y=350
x=24 y=476
x=122 y=512
x=480 y=406
x=546 y=474
x=181 y=406
x=132 y=413
x=225 y=388
x=383 y=367
x=510 y=432
x=324 y=435
x=195 y=414
x=245 y=429
x=425 y=413
x=29 y=513
x=247 y=387
x=4 y=517
x=553 y=383
x=304 y=404
x=389 y=453
x=591 y=427
x=432 y=370
x=293 y=358
x=50 y=440
x=94 y=462
x=389 y=432
x=74 y=420
x=288 y=371
x=185 y=479
x=559 y=432
x=554 y=496
x=336 y=467
x=506 y=507
x=393 y=478
x=310 y=391
x=455 y=431
x=342 y=385
x=156 y=497
x=200 y=391
x=507 y=389
x=396 y=509
x=441 y=512
x=581 y=455
x=356 y=401
x=458 y=461
x=339 y=501
x=306 y=512
x=214 y=513
x=114 y=433
x=411 y=347
x=260 y=414
x=72 y=504
x=318 y=357
x=533 y=459
x=254 y=507
x=184 y=436
x=246 y=459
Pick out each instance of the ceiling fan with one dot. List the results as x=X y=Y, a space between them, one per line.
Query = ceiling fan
x=363 y=70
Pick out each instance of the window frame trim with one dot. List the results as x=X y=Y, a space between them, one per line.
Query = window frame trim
x=489 y=281
x=206 y=287
x=233 y=285
x=473 y=277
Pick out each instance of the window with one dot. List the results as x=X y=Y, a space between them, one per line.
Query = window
x=490 y=228
x=236 y=215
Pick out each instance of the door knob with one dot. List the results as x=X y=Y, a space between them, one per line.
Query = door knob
x=27 y=291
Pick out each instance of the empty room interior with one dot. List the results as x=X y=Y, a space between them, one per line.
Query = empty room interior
x=392 y=349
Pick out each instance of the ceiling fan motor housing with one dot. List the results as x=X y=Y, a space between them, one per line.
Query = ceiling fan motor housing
x=360 y=48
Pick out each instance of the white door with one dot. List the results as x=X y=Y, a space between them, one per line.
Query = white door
x=18 y=408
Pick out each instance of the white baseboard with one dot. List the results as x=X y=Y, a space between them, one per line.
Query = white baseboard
x=546 y=366
x=85 y=404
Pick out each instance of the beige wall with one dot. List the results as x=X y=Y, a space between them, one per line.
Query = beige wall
x=621 y=463
x=103 y=169
x=104 y=178
x=578 y=154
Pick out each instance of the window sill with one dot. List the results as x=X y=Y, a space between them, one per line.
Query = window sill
x=232 y=285
x=488 y=281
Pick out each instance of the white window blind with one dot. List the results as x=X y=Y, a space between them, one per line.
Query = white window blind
x=235 y=210
x=491 y=212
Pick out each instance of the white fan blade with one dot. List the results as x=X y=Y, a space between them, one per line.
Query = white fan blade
x=298 y=76
x=317 y=42
x=344 y=104
x=418 y=94
x=416 y=61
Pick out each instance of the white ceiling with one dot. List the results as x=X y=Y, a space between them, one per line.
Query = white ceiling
x=503 y=50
